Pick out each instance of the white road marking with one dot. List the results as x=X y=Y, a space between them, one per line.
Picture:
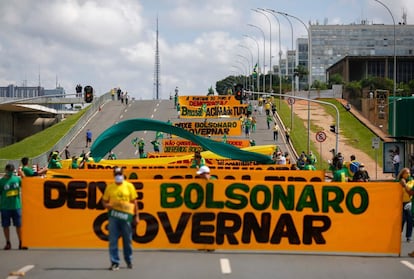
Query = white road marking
x=225 y=266
x=408 y=264
x=22 y=270
x=122 y=116
x=152 y=116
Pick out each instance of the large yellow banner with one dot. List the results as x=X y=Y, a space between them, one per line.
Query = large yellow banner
x=197 y=101
x=256 y=173
x=233 y=111
x=349 y=218
x=219 y=128
x=187 y=146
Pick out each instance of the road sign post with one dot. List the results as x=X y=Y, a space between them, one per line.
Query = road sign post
x=320 y=137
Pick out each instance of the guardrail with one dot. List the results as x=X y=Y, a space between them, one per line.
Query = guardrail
x=42 y=159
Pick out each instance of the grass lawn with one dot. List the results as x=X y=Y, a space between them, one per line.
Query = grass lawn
x=40 y=142
x=351 y=128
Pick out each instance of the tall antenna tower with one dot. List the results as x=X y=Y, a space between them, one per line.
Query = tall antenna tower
x=157 y=82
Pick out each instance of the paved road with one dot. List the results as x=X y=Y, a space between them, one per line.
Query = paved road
x=62 y=264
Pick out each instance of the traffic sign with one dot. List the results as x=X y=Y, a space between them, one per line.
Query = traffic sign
x=375 y=142
x=291 y=101
x=320 y=136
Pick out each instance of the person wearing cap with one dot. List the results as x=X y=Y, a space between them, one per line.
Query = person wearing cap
x=361 y=174
x=204 y=172
x=11 y=205
x=54 y=162
x=120 y=198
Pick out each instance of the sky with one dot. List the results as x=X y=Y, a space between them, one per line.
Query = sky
x=107 y=43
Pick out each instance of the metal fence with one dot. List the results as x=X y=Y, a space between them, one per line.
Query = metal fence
x=42 y=159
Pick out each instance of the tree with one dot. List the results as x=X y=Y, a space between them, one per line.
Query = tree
x=210 y=91
x=335 y=79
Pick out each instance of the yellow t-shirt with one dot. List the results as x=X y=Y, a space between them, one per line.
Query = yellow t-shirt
x=120 y=196
x=406 y=196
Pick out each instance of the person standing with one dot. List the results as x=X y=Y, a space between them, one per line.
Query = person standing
x=88 y=138
x=269 y=119
x=67 y=152
x=10 y=205
x=120 y=199
x=275 y=132
x=396 y=162
x=156 y=145
x=287 y=135
x=406 y=182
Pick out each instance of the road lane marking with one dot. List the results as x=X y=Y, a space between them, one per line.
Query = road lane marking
x=21 y=272
x=121 y=116
x=225 y=266
x=408 y=264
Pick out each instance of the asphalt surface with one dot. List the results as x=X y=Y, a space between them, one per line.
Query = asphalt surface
x=62 y=264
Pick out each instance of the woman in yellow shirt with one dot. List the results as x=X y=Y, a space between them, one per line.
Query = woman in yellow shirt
x=407 y=183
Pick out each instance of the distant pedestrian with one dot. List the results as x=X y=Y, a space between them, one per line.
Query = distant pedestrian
x=269 y=119
x=273 y=109
x=67 y=153
x=275 y=132
x=156 y=145
x=287 y=135
x=88 y=138
x=396 y=161
x=126 y=98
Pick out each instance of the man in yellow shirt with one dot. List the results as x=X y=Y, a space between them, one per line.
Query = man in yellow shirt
x=120 y=200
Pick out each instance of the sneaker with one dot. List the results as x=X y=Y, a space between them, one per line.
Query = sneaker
x=21 y=247
x=408 y=240
x=8 y=246
x=130 y=266
x=114 y=267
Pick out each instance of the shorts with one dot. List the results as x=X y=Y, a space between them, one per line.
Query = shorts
x=13 y=214
x=88 y=139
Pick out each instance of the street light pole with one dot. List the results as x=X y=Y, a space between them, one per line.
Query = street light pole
x=260 y=11
x=309 y=72
x=258 y=62
x=264 y=53
x=394 y=106
x=248 y=68
x=251 y=69
x=287 y=70
x=273 y=12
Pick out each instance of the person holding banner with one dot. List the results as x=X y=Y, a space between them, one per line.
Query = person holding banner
x=407 y=184
x=120 y=198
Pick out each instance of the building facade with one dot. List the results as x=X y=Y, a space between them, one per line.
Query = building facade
x=332 y=43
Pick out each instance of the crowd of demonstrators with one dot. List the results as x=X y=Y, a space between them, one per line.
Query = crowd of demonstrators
x=11 y=205
x=343 y=171
x=117 y=196
x=306 y=161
